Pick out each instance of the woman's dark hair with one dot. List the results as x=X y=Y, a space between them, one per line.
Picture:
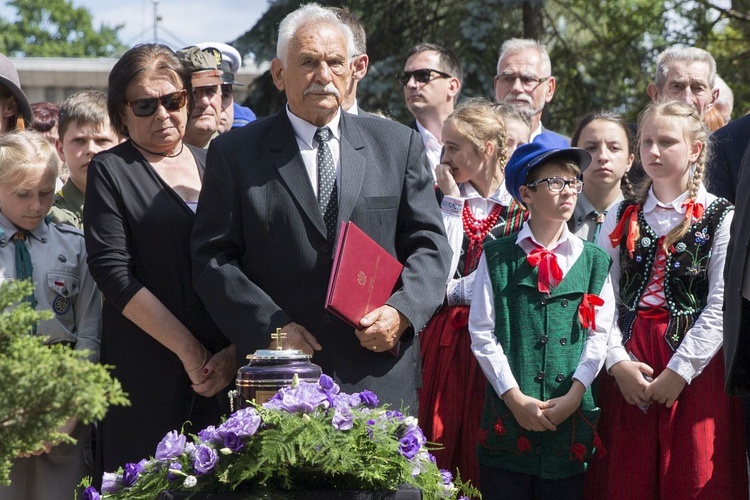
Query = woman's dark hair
x=45 y=116
x=145 y=59
x=625 y=185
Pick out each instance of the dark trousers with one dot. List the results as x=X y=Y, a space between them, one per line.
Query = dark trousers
x=501 y=484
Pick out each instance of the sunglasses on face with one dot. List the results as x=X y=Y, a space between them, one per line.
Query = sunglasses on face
x=557 y=184
x=148 y=105
x=420 y=76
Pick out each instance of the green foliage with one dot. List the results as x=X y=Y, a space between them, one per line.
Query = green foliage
x=602 y=52
x=42 y=385
x=46 y=28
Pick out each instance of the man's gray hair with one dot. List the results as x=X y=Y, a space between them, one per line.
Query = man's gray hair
x=518 y=44
x=726 y=96
x=310 y=13
x=686 y=55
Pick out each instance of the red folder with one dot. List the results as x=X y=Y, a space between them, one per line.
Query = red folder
x=363 y=275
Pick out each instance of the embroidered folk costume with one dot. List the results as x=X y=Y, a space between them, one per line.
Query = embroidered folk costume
x=670 y=316
x=453 y=386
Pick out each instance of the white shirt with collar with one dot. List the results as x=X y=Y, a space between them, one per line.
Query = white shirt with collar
x=354 y=110
x=487 y=349
x=583 y=222
x=452 y=210
x=62 y=283
x=432 y=146
x=536 y=132
x=304 y=132
x=705 y=337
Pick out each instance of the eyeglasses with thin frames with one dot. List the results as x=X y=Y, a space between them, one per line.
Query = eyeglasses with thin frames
x=528 y=82
x=148 y=105
x=420 y=76
x=557 y=184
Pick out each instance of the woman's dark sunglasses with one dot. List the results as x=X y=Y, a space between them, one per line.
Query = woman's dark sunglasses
x=148 y=105
x=420 y=76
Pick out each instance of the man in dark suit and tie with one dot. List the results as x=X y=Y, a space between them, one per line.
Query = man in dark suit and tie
x=272 y=197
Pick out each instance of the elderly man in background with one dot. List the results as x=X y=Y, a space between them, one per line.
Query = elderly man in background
x=203 y=123
x=431 y=79
x=360 y=59
x=524 y=79
x=229 y=62
x=264 y=236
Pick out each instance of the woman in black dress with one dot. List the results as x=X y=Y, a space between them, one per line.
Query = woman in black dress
x=168 y=354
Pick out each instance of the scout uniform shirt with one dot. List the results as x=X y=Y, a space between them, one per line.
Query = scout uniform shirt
x=62 y=283
x=535 y=341
x=67 y=206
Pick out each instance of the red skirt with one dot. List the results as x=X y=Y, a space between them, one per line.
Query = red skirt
x=693 y=450
x=452 y=395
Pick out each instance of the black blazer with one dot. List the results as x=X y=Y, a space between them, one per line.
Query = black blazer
x=261 y=258
x=736 y=316
x=728 y=145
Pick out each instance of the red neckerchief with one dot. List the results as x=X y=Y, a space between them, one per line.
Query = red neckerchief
x=693 y=210
x=549 y=271
x=627 y=227
x=586 y=312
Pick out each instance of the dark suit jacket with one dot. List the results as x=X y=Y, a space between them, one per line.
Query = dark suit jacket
x=728 y=145
x=261 y=258
x=736 y=315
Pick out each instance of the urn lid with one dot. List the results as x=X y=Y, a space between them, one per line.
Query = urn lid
x=279 y=353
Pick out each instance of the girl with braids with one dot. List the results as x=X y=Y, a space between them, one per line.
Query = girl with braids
x=670 y=430
x=476 y=208
x=607 y=137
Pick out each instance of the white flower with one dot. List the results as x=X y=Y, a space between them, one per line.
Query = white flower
x=190 y=481
x=410 y=421
x=225 y=451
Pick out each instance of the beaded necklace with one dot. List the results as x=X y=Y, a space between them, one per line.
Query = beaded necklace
x=476 y=230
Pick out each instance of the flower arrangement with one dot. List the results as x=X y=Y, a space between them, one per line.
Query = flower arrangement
x=307 y=436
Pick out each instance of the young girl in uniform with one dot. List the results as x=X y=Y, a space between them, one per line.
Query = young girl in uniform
x=54 y=258
x=476 y=208
x=670 y=429
x=606 y=137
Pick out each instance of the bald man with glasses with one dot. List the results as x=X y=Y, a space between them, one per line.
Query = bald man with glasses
x=431 y=80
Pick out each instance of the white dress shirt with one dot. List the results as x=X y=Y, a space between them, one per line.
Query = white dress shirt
x=705 y=337
x=304 y=132
x=484 y=344
x=432 y=147
x=452 y=210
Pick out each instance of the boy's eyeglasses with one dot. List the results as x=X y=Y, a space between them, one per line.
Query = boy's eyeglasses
x=148 y=105
x=557 y=184
x=420 y=76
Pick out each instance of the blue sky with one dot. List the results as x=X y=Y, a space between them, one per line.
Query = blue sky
x=184 y=22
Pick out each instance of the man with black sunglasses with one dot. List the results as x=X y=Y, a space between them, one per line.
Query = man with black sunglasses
x=203 y=123
x=274 y=195
x=431 y=80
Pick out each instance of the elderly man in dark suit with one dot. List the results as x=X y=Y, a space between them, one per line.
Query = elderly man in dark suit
x=272 y=196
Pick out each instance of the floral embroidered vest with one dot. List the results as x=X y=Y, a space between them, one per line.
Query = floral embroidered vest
x=685 y=277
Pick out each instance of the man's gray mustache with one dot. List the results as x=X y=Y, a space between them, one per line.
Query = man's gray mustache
x=316 y=88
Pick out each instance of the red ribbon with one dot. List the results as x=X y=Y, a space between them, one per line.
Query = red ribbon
x=550 y=273
x=586 y=313
x=578 y=451
x=523 y=444
x=627 y=226
x=693 y=210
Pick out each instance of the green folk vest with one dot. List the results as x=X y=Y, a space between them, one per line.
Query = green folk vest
x=686 y=272
x=542 y=338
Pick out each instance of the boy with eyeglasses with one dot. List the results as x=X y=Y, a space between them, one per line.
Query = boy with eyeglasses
x=539 y=321
x=84 y=130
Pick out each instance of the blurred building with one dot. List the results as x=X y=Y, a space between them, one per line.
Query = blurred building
x=52 y=79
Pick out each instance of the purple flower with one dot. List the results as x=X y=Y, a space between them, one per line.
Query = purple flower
x=190 y=450
x=131 y=473
x=90 y=493
x=304 y=398
x=346 y=401
x=394 y=415
x=209 y=435
x=463 y=497
x=171 y=476
x=233 y=442
x=447 y=476
x=328 y=384
x=343 y=419
x=171 y=446
x=244 y=423
x=368 y=399
x=111 y=483
x=206 y=459
x=411 y=442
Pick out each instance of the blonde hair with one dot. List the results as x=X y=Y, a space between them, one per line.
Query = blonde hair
x=693 y=129
x=480 y=123
x=25 y=151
